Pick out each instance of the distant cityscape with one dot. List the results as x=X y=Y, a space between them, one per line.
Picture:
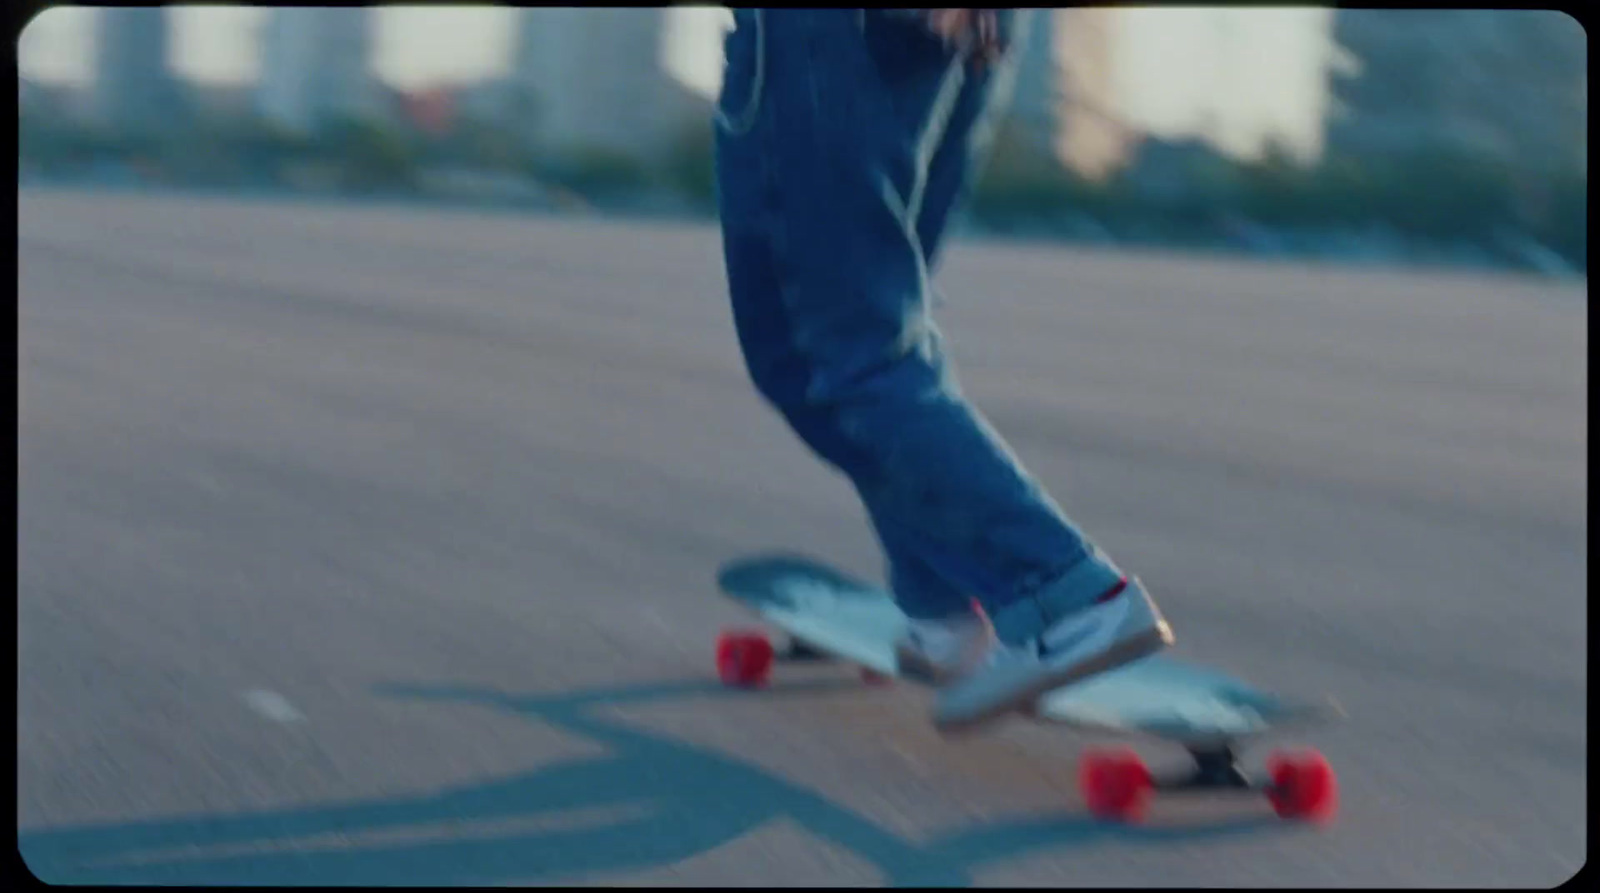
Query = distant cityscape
x=598 y=78
x=316 y=68
x=1505 y=88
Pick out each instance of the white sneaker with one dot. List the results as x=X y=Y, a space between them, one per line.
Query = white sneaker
x=938 y=651
x=1104 y=636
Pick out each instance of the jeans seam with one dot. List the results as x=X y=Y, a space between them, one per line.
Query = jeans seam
x=933 y=133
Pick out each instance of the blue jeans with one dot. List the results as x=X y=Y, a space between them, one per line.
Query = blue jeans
x=844 y=140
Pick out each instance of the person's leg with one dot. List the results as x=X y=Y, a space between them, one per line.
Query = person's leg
x=830 y=294
x=957 y=158
x=822 y=172
x=857 y=289
x=780 y=371
x=951 y=168
x=1123 y=624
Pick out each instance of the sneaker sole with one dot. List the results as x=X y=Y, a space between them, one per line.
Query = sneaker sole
x=1125 y=652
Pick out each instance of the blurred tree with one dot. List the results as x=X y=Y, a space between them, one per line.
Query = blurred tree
x=1275 y=188
x=1023 y=181
x=691 y=165
x=57 y=144
x=1565 y=226
x=1181 y=187
x=372 y=155
x=1510 y=84
x=598 y=173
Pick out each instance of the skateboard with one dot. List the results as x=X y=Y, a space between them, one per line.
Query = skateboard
x=828 y=616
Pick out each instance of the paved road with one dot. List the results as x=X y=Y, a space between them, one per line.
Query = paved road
x=375 y=546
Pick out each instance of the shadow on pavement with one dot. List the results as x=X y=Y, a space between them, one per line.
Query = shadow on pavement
x=666 y=801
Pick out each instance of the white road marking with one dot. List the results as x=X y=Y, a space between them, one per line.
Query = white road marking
x=273 y=706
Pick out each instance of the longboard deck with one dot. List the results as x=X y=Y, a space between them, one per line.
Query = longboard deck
x=1159 y=696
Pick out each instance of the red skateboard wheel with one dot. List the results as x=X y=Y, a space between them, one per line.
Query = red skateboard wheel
x=1303 y=786
x=744 y=658
x=1116 y=784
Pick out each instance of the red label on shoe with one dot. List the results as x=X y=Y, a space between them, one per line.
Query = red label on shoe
x=1113 y=592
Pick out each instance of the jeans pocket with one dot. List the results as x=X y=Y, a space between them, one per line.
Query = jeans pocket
x=744 y=73
x=902 y=50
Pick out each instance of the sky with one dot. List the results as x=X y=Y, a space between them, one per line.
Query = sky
x=1173 y=63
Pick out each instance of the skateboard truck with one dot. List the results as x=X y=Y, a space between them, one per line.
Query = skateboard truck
x=1117 y=785
x=799 y=652
x=1216 y=766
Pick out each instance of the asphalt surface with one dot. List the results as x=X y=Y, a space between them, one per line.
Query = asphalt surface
x=375 y=546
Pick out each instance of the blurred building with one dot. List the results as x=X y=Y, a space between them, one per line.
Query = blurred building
x=593 y=79
x=133 y=88
x=1509 y=85
x=316 y=67
x=496 y=99
x=1092 y=139
x=1241 y=80
x=1063 y=103
x=1035 y=98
